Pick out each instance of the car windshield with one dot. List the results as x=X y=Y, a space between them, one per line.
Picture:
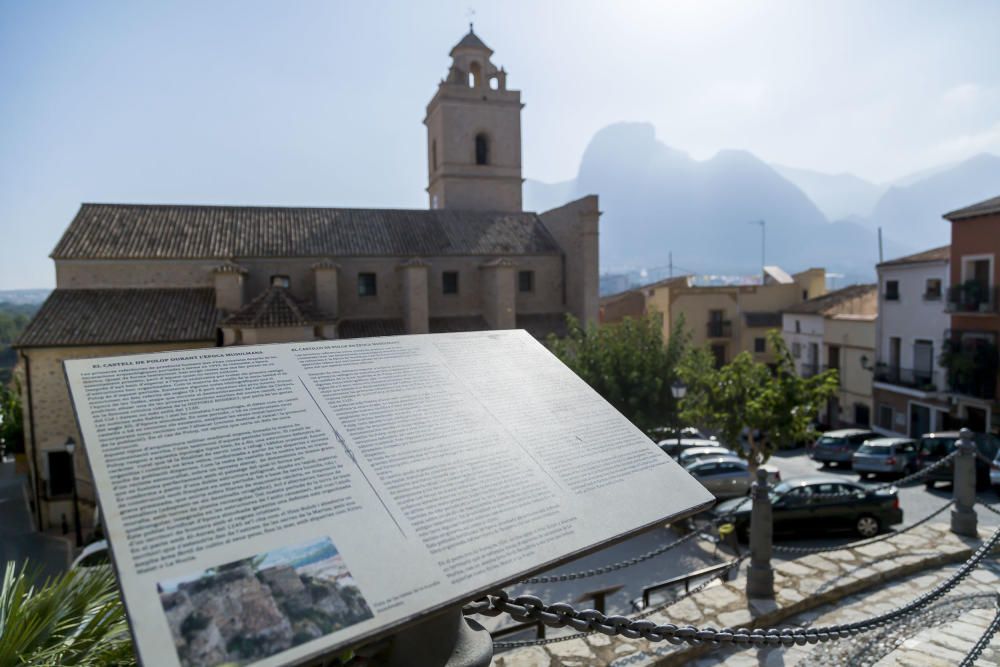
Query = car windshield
x=827 y=440
x=936 y=446
x=879 y=450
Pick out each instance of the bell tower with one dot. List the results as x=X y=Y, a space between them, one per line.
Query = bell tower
x=474 y=134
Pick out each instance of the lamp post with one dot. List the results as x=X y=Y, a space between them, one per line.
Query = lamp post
x=678 y=390
x=70 y=449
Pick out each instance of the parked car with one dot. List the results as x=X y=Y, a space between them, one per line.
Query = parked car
x=796 y=510
x=675 y=447
x=839 y=446
x=668 y=432
x=692 y=454
x=885 y=456
x=93 y=555
x=935 y=446
x=728 y=477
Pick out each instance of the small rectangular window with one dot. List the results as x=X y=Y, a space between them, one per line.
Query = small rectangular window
x=932 y=292
x=526 y=281
x=449 y=282
x=366 y=284
x=892 y=290
x=280 y=281
x=797 y=350
x=760 y=345
x=885 y=417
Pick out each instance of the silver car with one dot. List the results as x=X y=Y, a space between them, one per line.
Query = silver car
x=839 y=446
x=726 y=477
x=995 y=474
x=675 y=446
x=692 y=454
x=885 y=456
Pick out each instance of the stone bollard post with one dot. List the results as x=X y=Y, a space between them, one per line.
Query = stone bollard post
x=963 y=515
x=760 y=575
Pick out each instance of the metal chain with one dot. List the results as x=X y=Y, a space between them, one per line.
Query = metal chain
x=648 y=612
x=530 y=608
x=865 y=542
x=984 y=640
x=985 y=504
x=621 y=565
x=902 y=481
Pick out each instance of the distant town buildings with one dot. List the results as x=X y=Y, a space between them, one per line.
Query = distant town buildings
x=728 y=319
x=134 y=278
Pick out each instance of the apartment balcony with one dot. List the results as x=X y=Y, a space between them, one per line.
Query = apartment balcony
x=923 y=380
x=971 y=362
x=719 y=329
x=972 y=297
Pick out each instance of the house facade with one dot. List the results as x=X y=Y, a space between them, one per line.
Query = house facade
x=910 y=384
x=726 y=319
x=970 y=357
x=133 y=278
x=837 y=331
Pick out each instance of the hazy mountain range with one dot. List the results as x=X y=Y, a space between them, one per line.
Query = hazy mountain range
x=657 y=200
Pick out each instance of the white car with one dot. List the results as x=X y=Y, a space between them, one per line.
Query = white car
x=93 y=555
x=674 y=446
x=692 y=454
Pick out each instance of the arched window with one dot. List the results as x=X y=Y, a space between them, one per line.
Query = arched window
x=475 y=74
x=482 y=149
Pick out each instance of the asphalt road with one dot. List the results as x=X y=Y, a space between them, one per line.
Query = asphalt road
x=19 y=542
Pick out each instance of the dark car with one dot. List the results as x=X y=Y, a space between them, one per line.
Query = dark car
x=803 y=505
x=839 y=446
x=935 y=446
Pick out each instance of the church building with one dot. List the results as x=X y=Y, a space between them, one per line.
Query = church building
x=134 y=278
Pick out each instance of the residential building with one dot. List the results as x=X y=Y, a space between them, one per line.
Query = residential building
x=837 y=331
x=729 y=319
x=969 y=353
x=909 y=383
x=134 y=278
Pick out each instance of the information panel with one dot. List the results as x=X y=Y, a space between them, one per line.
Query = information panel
x=267 y=504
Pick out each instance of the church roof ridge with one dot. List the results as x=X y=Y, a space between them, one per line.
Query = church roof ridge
x=471 y=41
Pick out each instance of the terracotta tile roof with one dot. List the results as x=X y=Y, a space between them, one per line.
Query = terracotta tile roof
x=275 y=307
x=119 y=316
x=759 y=320
x=982 y=208
x=367 y=328
x=821 y=304
x=934 y=255
x=142 y=231
x=456 y=324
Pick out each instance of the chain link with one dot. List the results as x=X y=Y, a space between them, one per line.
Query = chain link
x=865 y=542
x=984 y=640
x=636 y=617
x=530 y=608
x=985 y=504
x=621 y=565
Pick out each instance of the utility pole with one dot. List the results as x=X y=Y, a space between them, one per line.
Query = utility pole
x=763 y=246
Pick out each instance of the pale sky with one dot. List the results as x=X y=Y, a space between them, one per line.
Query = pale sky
x=321 y=103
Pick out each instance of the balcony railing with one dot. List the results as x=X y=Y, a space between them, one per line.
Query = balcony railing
x=972 y=297
x=719 y=329
x=924 y=380
x=971 y=361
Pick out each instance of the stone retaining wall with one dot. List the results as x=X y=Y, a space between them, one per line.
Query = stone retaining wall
x=801 y=585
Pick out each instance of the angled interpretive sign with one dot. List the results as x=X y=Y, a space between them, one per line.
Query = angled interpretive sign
x=269 y=504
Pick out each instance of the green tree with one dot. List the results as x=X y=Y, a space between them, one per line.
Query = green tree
x=774 y=406
x=76 y=618
x=11 y=420
x=628 y=364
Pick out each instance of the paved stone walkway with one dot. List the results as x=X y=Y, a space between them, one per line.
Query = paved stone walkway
x=18 y=539
x=941 y=635
x=803 y=586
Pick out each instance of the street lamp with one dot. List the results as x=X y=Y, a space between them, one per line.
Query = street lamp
x=70 y=448
x=678 y=390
